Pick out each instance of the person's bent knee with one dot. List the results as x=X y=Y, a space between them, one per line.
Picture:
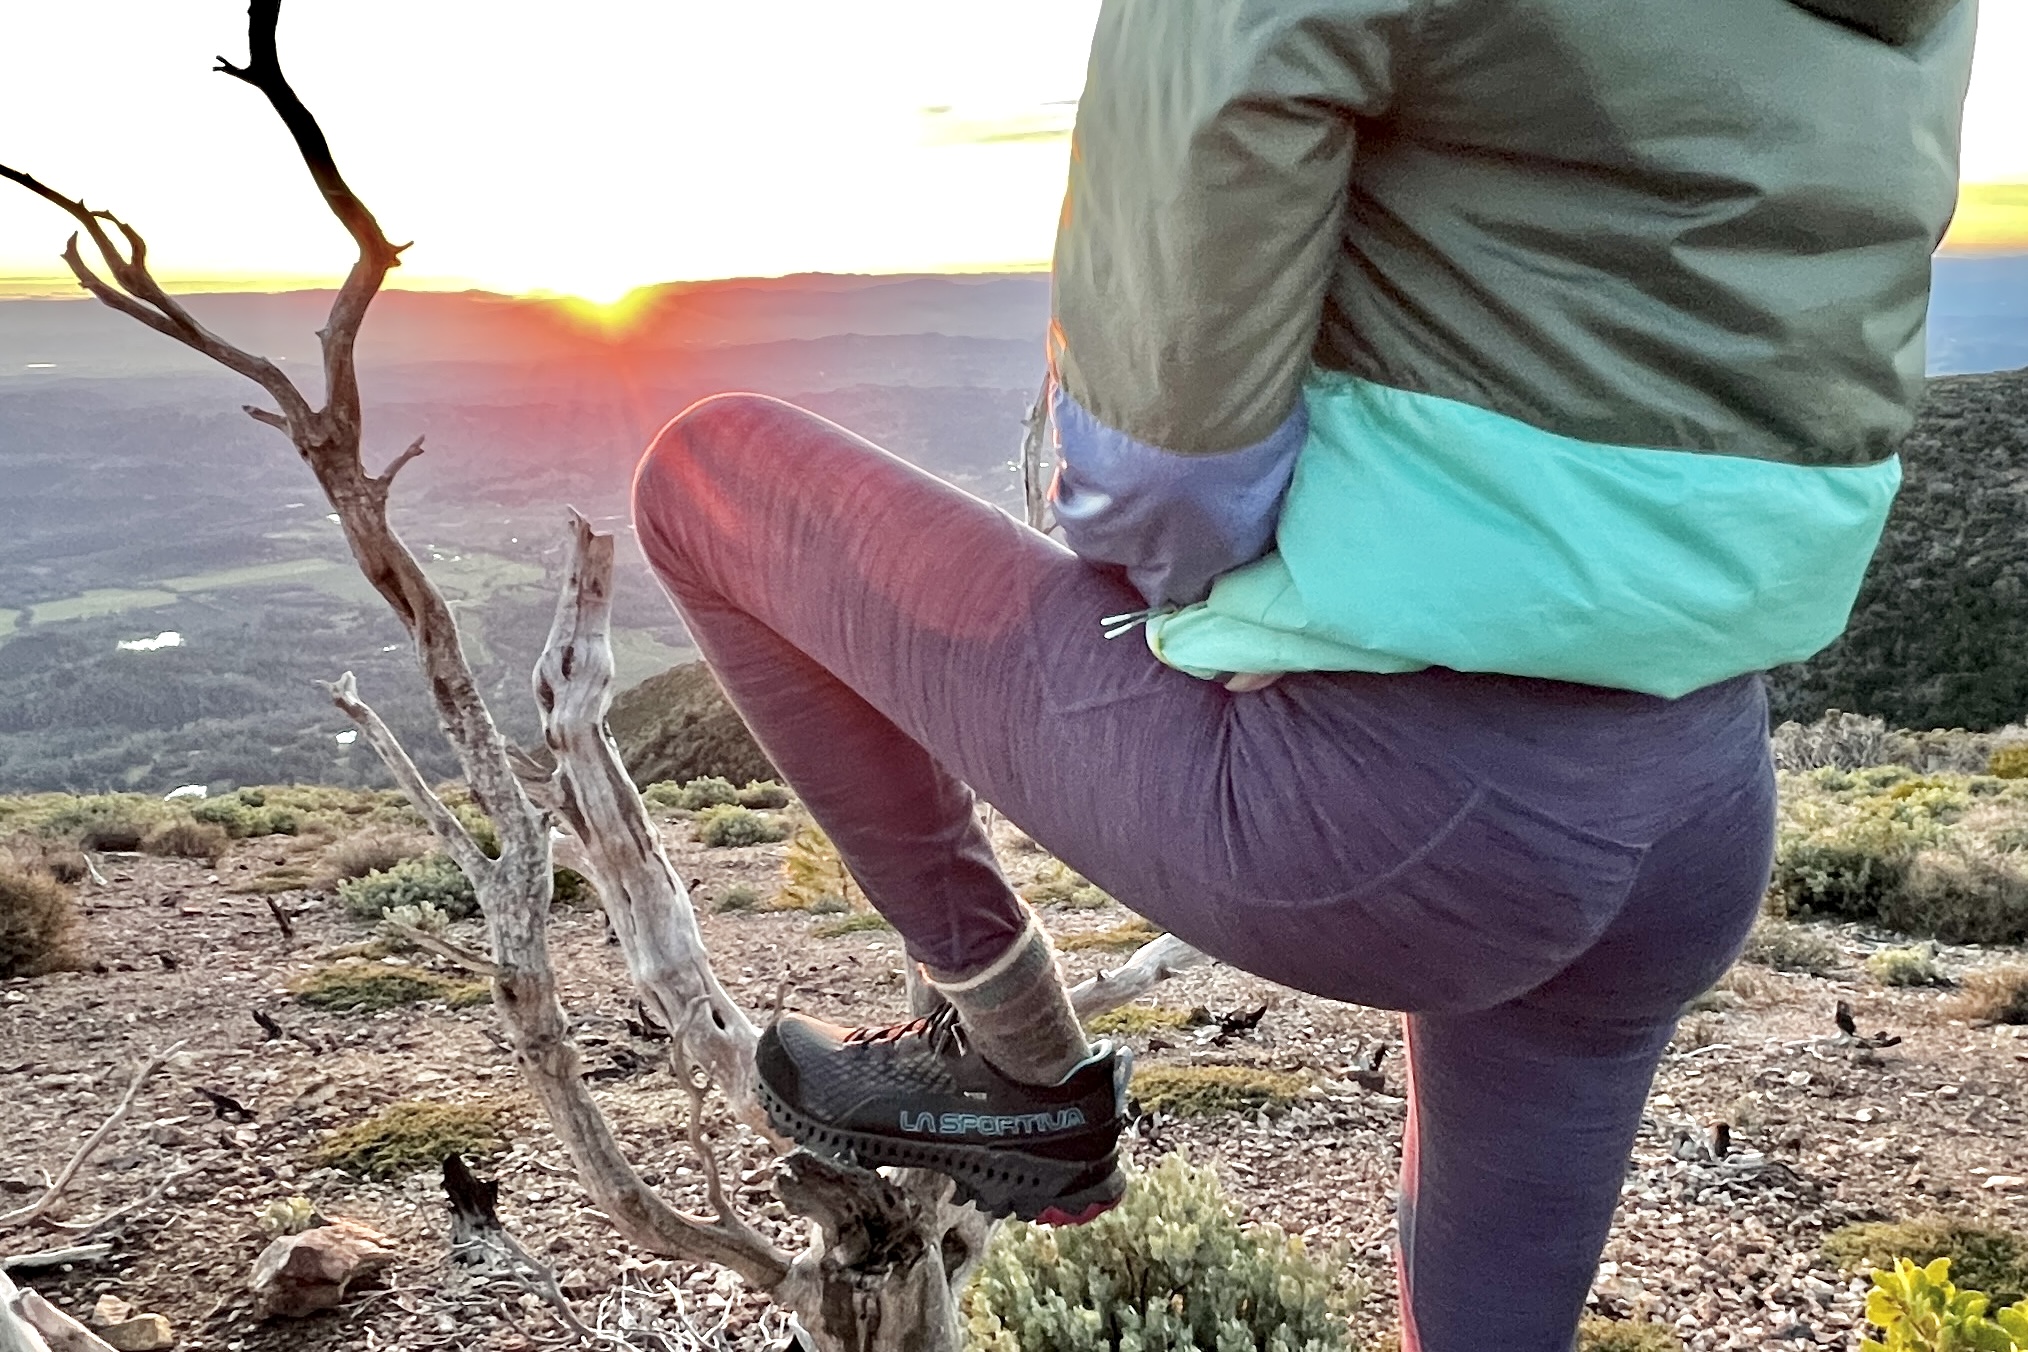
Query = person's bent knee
x=711 y=427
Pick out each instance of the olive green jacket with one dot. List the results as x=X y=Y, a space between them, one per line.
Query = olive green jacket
x=1565 y=338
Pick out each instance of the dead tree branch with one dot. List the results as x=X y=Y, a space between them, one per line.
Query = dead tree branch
x=25 y=1215
x=1152 y=963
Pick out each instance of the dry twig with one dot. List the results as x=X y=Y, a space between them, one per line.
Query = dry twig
x=34 y=1210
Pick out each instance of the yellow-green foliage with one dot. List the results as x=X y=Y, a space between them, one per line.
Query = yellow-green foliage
x=408 y=1136
x=1914 y=966
x=761 y=793
x=730 y=826
x=1119 y=939
x=1067 y=891
x=435 y=879
x=374 y=849
x=1140 y=1020
x=1207 y=1091
x=693 y=795
x=1171 y=1269
x=1597 y=1334
x=2009 y=762
x=248 y=813
x=359 y=987
x=187 y=839
x=1789 y=947
x=1987 y=1257
x=38 y=922
x=859 y=922
x=104 y=821
x=814 y=876
x=1919 y=1309
x=1934 y=855
x=1993 y=995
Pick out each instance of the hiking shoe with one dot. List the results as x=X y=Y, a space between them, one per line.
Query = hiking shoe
x=916 y=1095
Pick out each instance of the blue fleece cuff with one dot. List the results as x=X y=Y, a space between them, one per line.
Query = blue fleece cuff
x=1174 y=521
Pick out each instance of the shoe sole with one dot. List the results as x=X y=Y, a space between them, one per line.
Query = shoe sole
x=998 y=1182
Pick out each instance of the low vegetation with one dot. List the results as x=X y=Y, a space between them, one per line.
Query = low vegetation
x=1982 y=1256
x=1920 y=1309
x=1788 y=947
x=1171 y=1269
x=730 y=826
x=188 y=839
x=1624 y=1335
x=434 y=880
x=1208 y=1091
x=814 y=876
x=1941 y=856
x=859 y=922
x=357 y=986
x=1993 y=995
x=738 y=898
x=1141 y=1020
x=375 y=849
x=407 y=1137
x=1123 y=938
x=1912 y=966
x=1067 y=891
x=38 y=922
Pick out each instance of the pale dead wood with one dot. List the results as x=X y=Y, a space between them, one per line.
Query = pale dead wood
x=28 y=1323
x=16 y=1333
x=443 y=822
x=442 y=947
x=85 y=1229
x=74 y=1253
x=1152 y=963
x=24 y=1215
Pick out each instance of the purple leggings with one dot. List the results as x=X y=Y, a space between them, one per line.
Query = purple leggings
x=1539 y=874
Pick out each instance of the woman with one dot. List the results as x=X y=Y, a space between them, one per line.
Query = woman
x=1472 y=396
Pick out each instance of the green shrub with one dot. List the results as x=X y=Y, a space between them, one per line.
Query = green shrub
x=1789 y=947
x=1598 y=1334
x=247 y=813
x=1993 y=995
x=106 y=821
x=737 y=898
x=1962 y=894
x=1140 y=1020
x=1171 y=1269
x=1919 y=1309
x=859 y=922
x=281 y=878
x=188 y=840
x=435 y=879
x=1916 y=966
x=38 y=923
x=421 y=916
x=355 y=986
x=1842 y=879
x=1119 y=939
x=732 y=826
x=1209 y=1091
x=1986 y=1257
x=407 y=1137
x=764 y=793
x=2009 y=762
x=709 y=791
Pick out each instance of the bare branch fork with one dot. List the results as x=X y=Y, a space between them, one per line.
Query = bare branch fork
x=874 y=1278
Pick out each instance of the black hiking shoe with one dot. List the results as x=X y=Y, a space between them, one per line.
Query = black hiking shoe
x=915 y=1095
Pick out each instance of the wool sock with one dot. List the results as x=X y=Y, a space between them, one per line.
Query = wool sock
x=1017 y=1013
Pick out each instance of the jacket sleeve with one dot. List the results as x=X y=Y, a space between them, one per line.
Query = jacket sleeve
x=1201 y=228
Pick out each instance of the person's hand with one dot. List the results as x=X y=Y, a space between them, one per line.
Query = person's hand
x=1242 y=682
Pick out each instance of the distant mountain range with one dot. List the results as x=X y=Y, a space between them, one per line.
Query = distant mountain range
x=138 y=501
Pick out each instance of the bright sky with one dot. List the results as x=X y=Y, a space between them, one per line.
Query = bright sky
x=592 y=147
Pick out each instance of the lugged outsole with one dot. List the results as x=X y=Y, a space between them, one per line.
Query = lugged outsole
x=982 y=1176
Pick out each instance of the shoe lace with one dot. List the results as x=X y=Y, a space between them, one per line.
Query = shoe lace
x=941 y=1030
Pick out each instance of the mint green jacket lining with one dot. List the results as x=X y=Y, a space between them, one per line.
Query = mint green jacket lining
x=1420 y=531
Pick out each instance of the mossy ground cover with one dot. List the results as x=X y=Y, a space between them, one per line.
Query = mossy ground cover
x=1626 y=1335
x=407 y=1137
x=357 y=986
x=1210 y=1091
x=1124 y=938
x=1141 y=1020
x=860 y=922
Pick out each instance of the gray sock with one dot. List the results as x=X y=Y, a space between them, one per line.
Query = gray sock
x=1017 y=1012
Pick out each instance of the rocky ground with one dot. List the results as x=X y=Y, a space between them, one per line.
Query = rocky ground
x=1822 y=1130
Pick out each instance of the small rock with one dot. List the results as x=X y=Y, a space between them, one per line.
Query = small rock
x=2005 y=1182
x=111 y=1310
x=298 y=1275
x=142 y=1333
